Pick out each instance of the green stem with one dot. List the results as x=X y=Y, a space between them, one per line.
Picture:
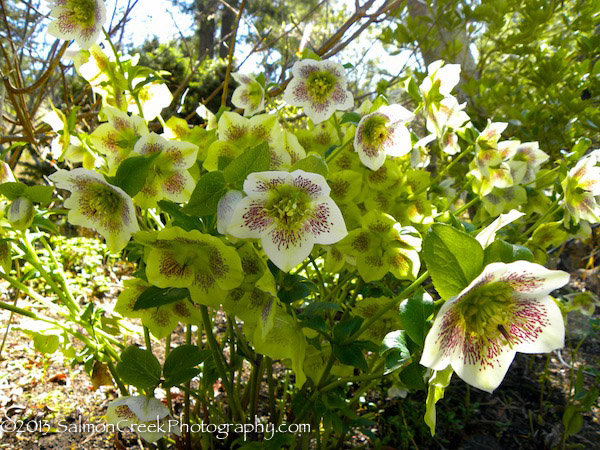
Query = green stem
x=466 y=206
x=382 y=311
x=218 y=358
x=113 y=371
x=26 y=290
x=457 y=196
x=334 y=153
x=444 y=171
x=551 y=210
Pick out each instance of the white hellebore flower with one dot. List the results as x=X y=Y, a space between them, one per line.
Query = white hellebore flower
x=445 y=76
x=250 y=95
x=153 y=97
x=320 y=88
x=148 y=416
x=382 y=133
x=289 y=212
x=81 y=20
x=582 y=189
x=504 y=310
x=96 y=204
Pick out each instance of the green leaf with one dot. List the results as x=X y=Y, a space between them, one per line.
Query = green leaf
x=350 y=117
x=206 y=195
x=181 y=219
x=46 y=344
x=181 y=364
x=309 y=54
x=502 y=251
x=344 y=330
x=295 y=287
x=257 y=159
x=453 y=259
x=414 y=312
x=312 y=163
x=139 y=368
x=12 y=190
x=412 y=376
x=380 y=101
x=132 y=173
x=318 y=307
x=572 y=420
x=351 y=355
x=155 y=296
x=39 y=194
x=413 y=89
x=394 y=349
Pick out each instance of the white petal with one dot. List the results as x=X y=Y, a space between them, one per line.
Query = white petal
x=545 y=330
x=485 y=374
x=444 y=339
x=150 y=144
x=249 y=220
x=319 y=112
x=286 y=250
x=296 y=92
x=303 y=68
x=147 y=409
x=327 y=225
x=397 y=113
x=400 y=139
x=259 y=184
x=313 y=183
x=488 y=234
x=528 y=278
x=225 y=209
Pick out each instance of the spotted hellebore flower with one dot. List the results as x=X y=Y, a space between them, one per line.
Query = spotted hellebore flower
x=162 y=320
x=289 y=212
x=582 y=188
x=81 y=20
x=148 y=416
x=383 y=133
x=193 y=260
x=320 y=88
x=153 y=97
x=168 y=177
x=96 y=204
x=117 y=138
x=504 y=310
x=526 y=161
x=382 y=245
x=250 y=95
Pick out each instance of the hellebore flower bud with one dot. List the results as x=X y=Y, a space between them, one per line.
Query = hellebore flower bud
x=20 y=213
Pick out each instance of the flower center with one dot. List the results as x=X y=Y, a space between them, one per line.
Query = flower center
x=289 y=205
x=375 y=131
x=487 y=310
x=104 y=200
x=83 y=11
x=320 y=85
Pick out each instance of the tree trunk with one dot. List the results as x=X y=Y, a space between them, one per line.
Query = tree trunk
x=206 y=12
x=227 y=22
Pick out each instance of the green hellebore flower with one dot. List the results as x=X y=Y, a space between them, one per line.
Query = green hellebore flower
x=162 y=320
x=96 y=204
x=117 y=138
x=168 y=176
x=190 y=259
x=382 y=245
